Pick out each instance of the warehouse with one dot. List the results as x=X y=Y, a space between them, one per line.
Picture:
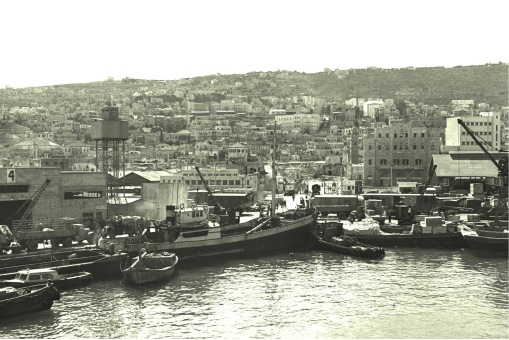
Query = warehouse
x=78 y=194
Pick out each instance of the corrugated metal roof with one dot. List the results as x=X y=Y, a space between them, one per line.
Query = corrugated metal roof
x=448 y=167
x=152 y=176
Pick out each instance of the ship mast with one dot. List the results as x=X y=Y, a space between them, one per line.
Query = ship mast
x=274 y=177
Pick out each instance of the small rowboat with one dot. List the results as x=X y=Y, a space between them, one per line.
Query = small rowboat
x=148 y=268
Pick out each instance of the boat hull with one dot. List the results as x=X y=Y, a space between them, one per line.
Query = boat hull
x=447 y=240
x=38 y=300
x=488 y=246
x=147 y=275
x=290 y=234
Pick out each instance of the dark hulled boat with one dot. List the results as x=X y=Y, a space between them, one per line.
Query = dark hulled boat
x=289 y=230
x=19 y=301
x=446 y=240
x=487 y=243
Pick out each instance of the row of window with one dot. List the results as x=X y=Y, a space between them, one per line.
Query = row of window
x=8 y=189
x=208 y=175
x=473 y=143
x=402 y=135
x=478 y=123
x=72 y=195
x=383 y=161
x=432 y=147
x=215 y=182
x=485 y=133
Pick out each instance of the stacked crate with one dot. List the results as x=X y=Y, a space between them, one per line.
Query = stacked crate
x=476 y=190
x=435 y=225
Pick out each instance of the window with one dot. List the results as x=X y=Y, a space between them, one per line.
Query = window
x=225 y=182
x=237 y=182
x=231 y=182
x=386 y=135
x=406 y=134
x=72 y=195
x=462 y=133
x=395 y=135
x=34 y=277
x=369 y=161
x=379 y=147
x=422 y=134
x=379 y=135
x=396 y=162
x=369 y=147
x=386 y=146
x=405 y=161
x=462 y=143
x=415 y=135
x=23 y=277
x=395 y=147
x=406 y=146
x=6 y=189
x=422 y=146
x=415 y=147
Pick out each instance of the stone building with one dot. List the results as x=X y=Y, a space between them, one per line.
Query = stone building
x=399 y=152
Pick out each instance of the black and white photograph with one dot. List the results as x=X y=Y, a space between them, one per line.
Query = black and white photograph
x=254 y=169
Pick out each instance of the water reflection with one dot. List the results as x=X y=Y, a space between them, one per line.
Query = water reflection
x=408 y=294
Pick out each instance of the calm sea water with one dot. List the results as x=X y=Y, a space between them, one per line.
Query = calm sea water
x=411 y=293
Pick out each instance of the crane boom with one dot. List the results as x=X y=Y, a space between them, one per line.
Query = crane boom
x=218 y=205
x=31 y=202
x=428 y=181
x=501 y=165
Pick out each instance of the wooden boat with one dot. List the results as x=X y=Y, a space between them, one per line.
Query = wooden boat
x=286 y=230
x=272 y=233
x=25 y=278
x=48 y=258
x=487 y=243
x=152 y=267
x=376 y=237
x=328 y=235
x=18 y=301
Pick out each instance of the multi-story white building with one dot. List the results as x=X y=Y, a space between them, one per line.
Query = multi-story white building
x=299 y=121
x=373 y=108
x=486 y=126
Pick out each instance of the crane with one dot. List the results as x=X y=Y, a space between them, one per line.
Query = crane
x=502 y=164
x=432 y=169
x=219 y=208
x=31 y=203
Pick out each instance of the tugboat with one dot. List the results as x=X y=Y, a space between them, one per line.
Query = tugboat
x=329 y=235
x=19 y=301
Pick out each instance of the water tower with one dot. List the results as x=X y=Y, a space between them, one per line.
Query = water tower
x=110 y=135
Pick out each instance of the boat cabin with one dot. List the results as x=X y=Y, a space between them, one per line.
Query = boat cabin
x=36 y=276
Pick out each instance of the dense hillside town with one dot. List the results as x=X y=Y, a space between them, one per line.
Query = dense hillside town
x=380 y=126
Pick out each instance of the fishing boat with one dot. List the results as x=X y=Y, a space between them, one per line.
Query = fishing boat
x=275 y=232
x=152 y=267
x=25 y=278
x=19 y=301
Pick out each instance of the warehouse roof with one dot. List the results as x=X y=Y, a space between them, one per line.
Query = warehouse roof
x=448 y=166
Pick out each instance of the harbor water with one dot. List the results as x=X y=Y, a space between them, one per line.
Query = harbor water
x=411 y=293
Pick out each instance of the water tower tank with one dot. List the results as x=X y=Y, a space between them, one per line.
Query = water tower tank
x=109 y=127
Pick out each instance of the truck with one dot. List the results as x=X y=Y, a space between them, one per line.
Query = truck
x=28 y=233
x=341 y=205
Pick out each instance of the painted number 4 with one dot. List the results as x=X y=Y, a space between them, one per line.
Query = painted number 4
x=11 y=175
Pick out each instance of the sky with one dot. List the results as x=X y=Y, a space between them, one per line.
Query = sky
x=49 y=42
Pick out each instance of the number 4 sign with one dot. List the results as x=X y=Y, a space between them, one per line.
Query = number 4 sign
x=11 y=175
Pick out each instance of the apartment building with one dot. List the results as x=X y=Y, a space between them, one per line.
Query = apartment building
x=486 y=126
